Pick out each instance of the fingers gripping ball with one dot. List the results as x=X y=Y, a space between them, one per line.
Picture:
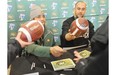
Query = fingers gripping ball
x=32 y=31
x=79 y=27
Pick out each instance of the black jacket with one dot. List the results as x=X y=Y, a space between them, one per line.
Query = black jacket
x=14 y=49
x=78 y=41
x=97 y=63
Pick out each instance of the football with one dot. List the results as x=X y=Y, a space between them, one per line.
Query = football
x=79 y=27
x=31 y=31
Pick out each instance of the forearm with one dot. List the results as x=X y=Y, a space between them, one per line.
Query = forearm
x=41 y=51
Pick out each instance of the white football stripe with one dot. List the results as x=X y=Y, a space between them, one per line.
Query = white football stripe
x=26 y=33
x=41 y=25
x=83 y=28
x=29 y=23
x=75 y=31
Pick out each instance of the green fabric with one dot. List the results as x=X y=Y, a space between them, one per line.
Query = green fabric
x=41 y=51
x=48 y=38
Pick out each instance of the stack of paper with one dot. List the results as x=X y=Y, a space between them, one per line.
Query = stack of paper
x=63 y=64
x=85 y=53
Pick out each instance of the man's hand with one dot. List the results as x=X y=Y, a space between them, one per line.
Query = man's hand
x=69 y=37
x=77 y=55
x=57 y=51
x=22 y=43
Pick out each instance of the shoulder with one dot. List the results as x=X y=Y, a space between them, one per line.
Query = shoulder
x=90 y=24
x=70 y=19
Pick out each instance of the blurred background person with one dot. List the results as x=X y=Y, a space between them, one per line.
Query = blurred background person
x=97 y=63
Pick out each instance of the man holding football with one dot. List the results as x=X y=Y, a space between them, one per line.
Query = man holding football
x=68 y=40
x=46 y=45
x=43 y=47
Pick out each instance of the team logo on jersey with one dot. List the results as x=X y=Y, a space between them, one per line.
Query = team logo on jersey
x=48 y=40
x=56 y=38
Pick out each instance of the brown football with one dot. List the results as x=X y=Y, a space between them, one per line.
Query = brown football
x=32 y=31
x=79 y=27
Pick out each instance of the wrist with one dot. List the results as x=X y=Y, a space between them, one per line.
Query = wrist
x=51 y=50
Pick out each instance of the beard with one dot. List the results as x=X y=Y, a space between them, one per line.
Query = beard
x=80 y=15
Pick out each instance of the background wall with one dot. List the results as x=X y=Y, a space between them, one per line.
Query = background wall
x=56 y=12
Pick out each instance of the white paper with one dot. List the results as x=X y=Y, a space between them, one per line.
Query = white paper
x=70 y=48
x=35 y=73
